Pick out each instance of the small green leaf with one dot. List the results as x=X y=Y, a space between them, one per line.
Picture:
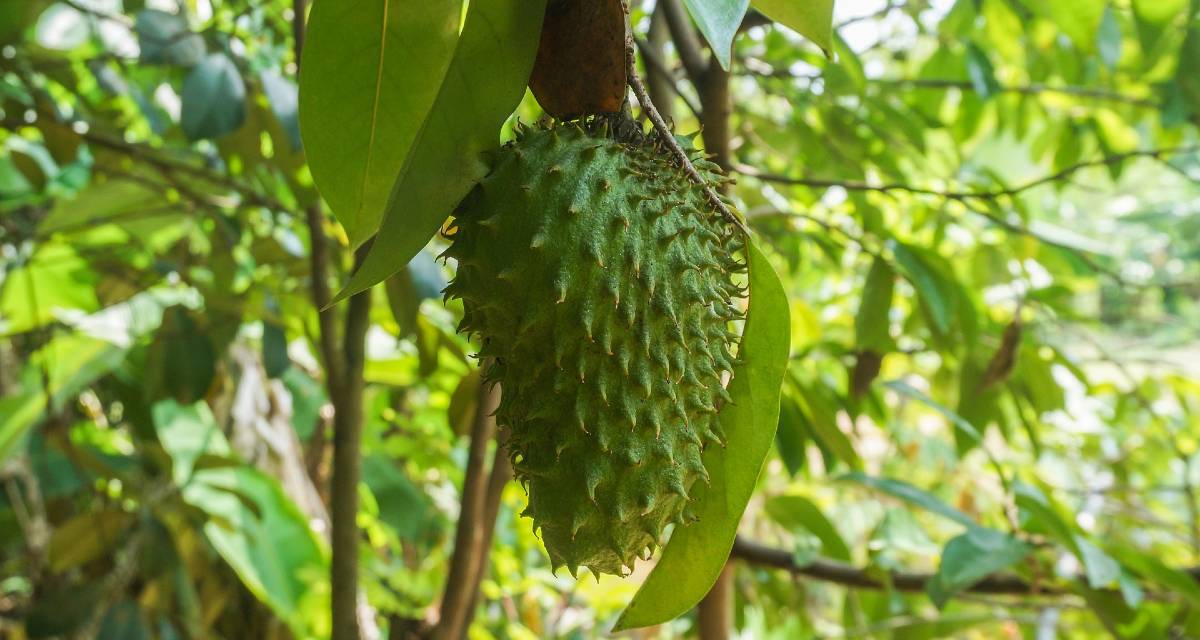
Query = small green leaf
x=1101 y=570
x=284 y=99
x=274 y=348
x=972 y=556
x=871 y=325
x=484 y=83
x=796 y=513
x=164 y=38
x=214 y=98
x=402 y=504
x=821 y=411
x=1109 y=38
x=362 y=106
x=962 y=428
x=792 y=435
x=694 y=556
x=936 y=293
x=812 y=19
x=719 y=21
x=981 y=72
x=912 y=495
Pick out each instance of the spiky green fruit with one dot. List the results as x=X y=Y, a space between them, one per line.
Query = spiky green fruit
x=599 y=281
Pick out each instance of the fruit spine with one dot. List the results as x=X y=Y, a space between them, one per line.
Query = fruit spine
x=599 y=280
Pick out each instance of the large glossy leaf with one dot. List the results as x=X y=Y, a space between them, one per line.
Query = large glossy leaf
x=370 y=72
x=484 y=83
x=694 y=556
x=719 y=21
x=812 y=19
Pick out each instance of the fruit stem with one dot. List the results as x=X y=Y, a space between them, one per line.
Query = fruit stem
x=664 y=132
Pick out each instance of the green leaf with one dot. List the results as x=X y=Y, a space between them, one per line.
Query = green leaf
x=362 y=106
x=719 y=21
x=962 y=428
x=56 y=278
x=937 y=294
x=484 y=83
x=284 y=99
x=821 y=411
x=1187 y=76
x=182 y=359
x=1153 y=18
x=694 y=556
x=274 y=349
x=421 y=280
x=1109 y=38
x=1101 y=569
x=812 y=19
x=792 y=435
x=214 y=98
x=1153 y=569
x=972 y=556
x=981 y=72
x=912 y=495
x=70 y=362
x=164 y=38
x=871 y=325
x=269 y=545
x=402 y=505
x=799 y=513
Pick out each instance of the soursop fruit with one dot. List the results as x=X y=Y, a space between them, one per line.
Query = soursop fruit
x=601 y=284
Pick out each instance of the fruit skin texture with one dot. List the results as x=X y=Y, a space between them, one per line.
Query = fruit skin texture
x=598 y=279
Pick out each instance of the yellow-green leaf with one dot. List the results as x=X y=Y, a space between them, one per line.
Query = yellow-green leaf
x=812 y=19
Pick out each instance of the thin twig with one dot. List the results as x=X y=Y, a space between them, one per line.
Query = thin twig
x=854 y=185
x=851 y=576
x=664 y=132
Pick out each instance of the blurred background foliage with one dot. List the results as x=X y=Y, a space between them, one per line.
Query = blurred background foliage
x=985 y=211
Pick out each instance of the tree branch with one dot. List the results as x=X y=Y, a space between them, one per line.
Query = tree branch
x=465 y=564
x=502 y=472
x=687 y=43
x=854 y=185
x=850 y=576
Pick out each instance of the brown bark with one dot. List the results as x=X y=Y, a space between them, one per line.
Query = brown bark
x=473 y=528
